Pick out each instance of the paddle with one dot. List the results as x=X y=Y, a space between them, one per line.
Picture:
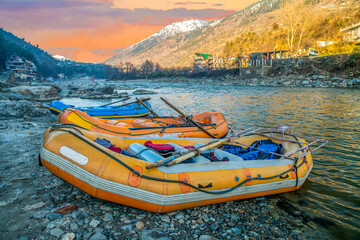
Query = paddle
x=122 y=100
x=170 y=161
x=191 y=153
x=186 y=117
x=145 y=99
x=147 y=107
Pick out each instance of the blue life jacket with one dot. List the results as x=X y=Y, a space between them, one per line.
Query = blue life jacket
x=254 y=154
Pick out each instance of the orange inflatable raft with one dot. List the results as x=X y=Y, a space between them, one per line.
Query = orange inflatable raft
x=212 y=122
x=74 y=155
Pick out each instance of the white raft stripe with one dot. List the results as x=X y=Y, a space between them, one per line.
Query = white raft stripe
x=155 y=198
x=73 y=155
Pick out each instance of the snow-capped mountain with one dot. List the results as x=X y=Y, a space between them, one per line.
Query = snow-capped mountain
x=173 y=29
x=177 y=43
x=60 y=58
x=180 y=27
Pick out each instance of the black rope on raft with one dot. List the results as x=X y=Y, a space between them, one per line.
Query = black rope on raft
x=177 y=181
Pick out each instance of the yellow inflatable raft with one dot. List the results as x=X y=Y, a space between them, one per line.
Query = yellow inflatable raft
x=212 y=122
x=74 y=155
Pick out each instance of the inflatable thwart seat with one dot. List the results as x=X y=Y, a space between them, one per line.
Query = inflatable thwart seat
x=122 y=177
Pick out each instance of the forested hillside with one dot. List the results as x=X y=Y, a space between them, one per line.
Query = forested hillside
x=313 y=21
x=264 y=26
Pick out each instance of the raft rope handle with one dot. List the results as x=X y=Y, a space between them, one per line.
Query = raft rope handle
x=69 y=125
x=176 y=181
x=295 y=167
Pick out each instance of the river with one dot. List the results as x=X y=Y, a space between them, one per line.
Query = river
x=332 y=191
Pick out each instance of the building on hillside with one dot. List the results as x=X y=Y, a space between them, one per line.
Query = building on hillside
x=324 y=43
x=352 y=32
x=202 y=62
x=224 y=63
x=219 y=63
x=264 y=58
x=22 y=68
x=244 y=60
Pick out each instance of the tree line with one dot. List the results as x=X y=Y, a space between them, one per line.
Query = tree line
x=150 y=69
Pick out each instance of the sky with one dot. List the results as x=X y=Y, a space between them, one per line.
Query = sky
x=94 y=30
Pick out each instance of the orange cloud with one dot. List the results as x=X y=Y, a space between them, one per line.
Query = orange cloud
x=92 y=30
x=96 y=45
x=171 y=4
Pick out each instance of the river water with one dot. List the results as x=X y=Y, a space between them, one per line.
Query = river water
x=332 y=191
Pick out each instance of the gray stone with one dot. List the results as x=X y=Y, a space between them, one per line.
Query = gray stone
x=165 y=218
x=207 y=237
x=164 y=225
x=68 y=236
x=214 y=227
x=98 y=236
x=108 y=217
x=246 y=237
x=142 y=91
x=305 y=82
x=56 y=232
x=106 y=208
x=234 y=216
x=106 y=90
x=154 y=234
x=127 y=228
x=253 y=234
x=315 y=77
x=54 y=216
x=206 y=217
x=44 y=93
x=179 y=216
x=94 y=223
x=236 y=230
x=73 y=226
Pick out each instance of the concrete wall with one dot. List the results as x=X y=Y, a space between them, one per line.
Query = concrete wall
x=250 y=72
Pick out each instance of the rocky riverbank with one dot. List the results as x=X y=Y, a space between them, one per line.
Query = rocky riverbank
x=313 y=81
x=35 y=204
x=335 y=71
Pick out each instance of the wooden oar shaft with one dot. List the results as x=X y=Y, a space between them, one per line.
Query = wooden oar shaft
x=191 y=153
x=175 y=108
x=122 y=100
x=185 y=116
x=146 y=99
x=147 y=107
x=197 y=151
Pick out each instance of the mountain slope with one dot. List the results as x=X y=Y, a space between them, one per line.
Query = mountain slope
x=254 y=24
x=174 y=29
x=46 y=64
x=178 y=47
x=41 y=56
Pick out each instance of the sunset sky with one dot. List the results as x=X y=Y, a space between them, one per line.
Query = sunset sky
x=93 y=30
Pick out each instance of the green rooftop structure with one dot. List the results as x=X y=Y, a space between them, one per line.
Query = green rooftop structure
x=203 y=55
